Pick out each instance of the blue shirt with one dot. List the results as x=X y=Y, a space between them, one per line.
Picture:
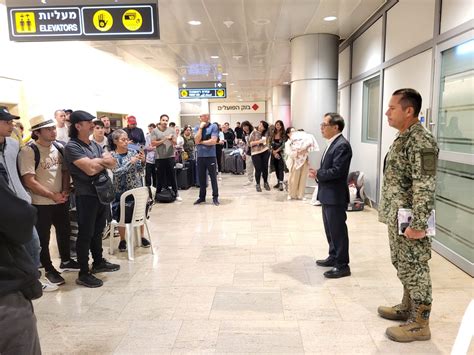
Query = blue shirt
x=204 y=151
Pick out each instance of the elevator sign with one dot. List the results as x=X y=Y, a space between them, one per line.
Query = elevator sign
x=204 y=93
x=101 y=22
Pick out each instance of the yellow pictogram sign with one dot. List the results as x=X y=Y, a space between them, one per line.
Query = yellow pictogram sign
x=103 y=20
x=220 y=93
x=184 y=93
x=132 y=20
x=25 y=22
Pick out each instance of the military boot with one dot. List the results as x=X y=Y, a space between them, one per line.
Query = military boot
x=400 y=311
x=416 y=328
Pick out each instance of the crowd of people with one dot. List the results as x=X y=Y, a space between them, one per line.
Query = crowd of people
x=39 y=173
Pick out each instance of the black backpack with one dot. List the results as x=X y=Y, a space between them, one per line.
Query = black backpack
x=36 y=151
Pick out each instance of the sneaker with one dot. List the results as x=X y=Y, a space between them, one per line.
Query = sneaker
x=248 y=183
x=89 y=280
x=266 y=186
x=198 y=201
x=104 y=266
x=258 y=188
x=54 y=278
x=47 y=287
x=280 y=186
x=122 y=245
x=179 y=199
x=145 y=243
x=70 y=265
x=276 y=186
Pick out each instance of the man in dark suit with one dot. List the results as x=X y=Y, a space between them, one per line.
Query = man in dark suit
x=333 y=193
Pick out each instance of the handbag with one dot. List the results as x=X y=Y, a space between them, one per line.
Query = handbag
x=103 y=187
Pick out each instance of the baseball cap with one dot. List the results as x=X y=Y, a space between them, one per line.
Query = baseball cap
x=131 y=120
x=5 y=115
x=79 y=116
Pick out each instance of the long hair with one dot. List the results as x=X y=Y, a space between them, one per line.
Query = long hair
x=248 y=124
x=265 y=128
x=73 y=132
x=282 y=130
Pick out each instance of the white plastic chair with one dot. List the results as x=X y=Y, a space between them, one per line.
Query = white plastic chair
x=140 y=195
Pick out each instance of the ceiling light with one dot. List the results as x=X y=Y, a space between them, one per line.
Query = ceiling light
x=330 y=18
x=225 y=74
x=285 y=83
x=214 y=57
x=194 y=22
x=184 y=86
x=241 y=100
x=183 y=78
x=237 y=57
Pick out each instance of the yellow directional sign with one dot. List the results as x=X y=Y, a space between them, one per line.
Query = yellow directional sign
x=220 y=93
x=183 y=93
x=25 y=22
x=132 y=20
x=103 y=20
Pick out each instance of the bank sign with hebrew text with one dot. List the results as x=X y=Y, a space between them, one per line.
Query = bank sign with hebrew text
x=98 y=22
x=237 y=107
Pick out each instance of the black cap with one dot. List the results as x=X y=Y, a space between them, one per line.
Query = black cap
x=68 y=110
x=78 y=116
x=5 y=115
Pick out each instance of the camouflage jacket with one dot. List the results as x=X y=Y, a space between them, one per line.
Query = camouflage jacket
x=410 y=177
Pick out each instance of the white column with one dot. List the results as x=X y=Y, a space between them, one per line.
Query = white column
x=314 y=67
x=281 y=102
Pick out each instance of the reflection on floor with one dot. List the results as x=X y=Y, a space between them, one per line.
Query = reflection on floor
x=241 y=278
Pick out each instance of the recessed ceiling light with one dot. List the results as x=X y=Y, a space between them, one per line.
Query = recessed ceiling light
x=214 y=57
x=330 y=18
x=184 y=85
x=194 y=22
x=285 y=83
x=225 y=74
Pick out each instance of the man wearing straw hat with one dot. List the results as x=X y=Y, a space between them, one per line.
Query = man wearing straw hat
x=45 y=174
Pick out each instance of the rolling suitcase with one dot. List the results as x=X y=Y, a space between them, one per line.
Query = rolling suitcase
x=182 y=178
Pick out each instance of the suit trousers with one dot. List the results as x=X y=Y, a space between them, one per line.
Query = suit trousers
x=334 y=219
x=297 y=181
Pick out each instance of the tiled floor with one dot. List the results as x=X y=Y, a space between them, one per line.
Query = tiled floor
x=241 y=278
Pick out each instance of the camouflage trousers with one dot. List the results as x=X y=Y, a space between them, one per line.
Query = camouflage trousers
x=410 y=258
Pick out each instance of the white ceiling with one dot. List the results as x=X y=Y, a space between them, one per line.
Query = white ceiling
x=253 y=48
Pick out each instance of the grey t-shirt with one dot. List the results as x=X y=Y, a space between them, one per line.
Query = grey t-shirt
x=75 y=150
x=165 y=150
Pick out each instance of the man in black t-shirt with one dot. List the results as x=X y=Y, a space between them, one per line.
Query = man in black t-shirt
x=86 y=159
x=229 y=135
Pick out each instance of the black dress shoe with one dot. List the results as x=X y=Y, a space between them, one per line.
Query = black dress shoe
x=215 y=201
x=326 y=262
x=336 y=272
x=198 y=201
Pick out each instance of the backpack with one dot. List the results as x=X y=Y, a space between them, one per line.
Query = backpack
x=36 y=151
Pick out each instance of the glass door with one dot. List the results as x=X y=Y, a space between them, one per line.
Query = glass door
x=454 y=128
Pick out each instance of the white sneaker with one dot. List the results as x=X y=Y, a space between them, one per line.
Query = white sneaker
x=248 y=183
x=179 y=199
x=47 y=287
x=288 y=198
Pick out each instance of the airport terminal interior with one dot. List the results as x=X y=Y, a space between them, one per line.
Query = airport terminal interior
x=241 y=277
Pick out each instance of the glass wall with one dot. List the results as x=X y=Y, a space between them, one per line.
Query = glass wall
x=455 y=134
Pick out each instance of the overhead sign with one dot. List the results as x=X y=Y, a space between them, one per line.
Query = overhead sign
x=203 y=93
x=218 y=108
x=107 y=22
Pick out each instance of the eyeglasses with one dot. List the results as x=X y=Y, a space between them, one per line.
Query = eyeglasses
x=325 y=125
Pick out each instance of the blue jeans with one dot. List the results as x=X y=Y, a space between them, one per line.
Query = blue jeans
x=33 y=248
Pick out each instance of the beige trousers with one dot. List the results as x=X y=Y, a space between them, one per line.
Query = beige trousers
x=297 y=181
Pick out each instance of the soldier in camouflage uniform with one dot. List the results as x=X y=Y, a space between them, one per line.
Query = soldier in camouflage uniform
x=409 y=182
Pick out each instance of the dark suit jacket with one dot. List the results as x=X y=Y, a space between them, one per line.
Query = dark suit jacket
x=332 y=175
